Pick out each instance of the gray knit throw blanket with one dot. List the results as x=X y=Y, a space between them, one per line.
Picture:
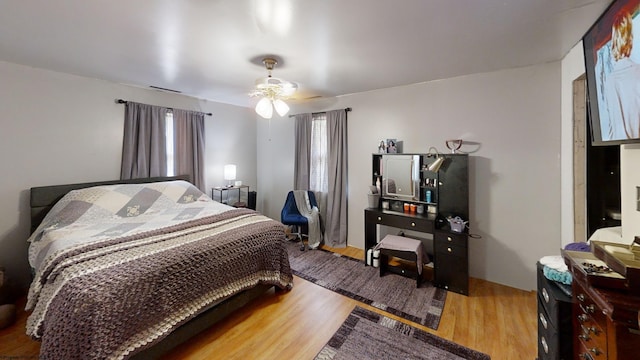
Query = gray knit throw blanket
x=313 y=217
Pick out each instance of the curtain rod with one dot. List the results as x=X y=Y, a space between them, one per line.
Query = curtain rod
x=320 y=112
x=120 y=101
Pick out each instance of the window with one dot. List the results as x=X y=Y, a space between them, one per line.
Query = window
x=166 y=141
x=318 y=179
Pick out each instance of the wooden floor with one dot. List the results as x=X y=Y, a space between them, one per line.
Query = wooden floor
x=494 y=319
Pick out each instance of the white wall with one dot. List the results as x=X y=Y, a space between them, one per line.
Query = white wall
x=275 y=143
x=629 y=181
x=512 y=115
x=58 y=128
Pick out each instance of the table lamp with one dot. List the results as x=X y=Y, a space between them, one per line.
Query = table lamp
x=230 y=174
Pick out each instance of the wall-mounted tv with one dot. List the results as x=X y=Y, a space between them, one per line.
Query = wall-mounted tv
x=612 y=60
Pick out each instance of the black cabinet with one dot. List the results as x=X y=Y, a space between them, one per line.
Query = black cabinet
x=453 y=186
x=451 y=261
x=554 y=319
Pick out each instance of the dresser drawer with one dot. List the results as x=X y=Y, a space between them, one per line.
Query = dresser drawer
x=446 y=238
x=554 y=342
x=591 y=325
x=404 y=221
x=450 y=250
x=447 y=243
x=547 y=347
x=586 y=311
x=592 y=352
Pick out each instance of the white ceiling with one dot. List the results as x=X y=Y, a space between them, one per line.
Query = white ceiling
x=212 y=49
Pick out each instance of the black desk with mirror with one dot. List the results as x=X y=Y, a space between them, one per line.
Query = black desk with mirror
x=406 y=179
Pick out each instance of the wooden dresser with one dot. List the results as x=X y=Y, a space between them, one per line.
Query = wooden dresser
x=605 y=320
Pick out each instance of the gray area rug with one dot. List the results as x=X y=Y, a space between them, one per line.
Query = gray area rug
x=368 y=335
x=391 y=293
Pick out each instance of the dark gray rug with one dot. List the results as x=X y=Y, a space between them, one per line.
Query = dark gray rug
x=391 y=293
x=368 y=335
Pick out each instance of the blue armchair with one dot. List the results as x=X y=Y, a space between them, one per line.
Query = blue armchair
x=290 y=215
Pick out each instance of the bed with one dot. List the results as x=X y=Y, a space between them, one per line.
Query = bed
x=132 y=269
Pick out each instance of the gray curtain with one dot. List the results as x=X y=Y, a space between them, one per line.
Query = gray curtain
x=303 y=123
x=188 y=132
x=334 y=204
x=336 y=218
x=144 y=145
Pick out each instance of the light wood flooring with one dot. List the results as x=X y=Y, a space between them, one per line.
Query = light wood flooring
x=494 y=319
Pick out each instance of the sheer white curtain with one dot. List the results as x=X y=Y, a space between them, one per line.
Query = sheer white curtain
x=318 y=180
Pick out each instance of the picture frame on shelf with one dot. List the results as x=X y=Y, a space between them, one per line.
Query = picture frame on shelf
x=394 y=146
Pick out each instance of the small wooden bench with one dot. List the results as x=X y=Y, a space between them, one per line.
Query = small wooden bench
x=403 y=248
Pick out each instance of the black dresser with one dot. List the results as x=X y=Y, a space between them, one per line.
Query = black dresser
x=555 y=330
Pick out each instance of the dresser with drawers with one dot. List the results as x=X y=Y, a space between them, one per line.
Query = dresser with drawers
x=606 y=321
x=451 y=261
x=555 y=331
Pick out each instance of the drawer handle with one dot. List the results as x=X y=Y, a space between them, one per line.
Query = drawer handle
x=449 y=249
x=587 y=330
x=545 y=295
x=379 y=218
x=544 y=344
x=449 y=238
x=585 y=356
x=580 y=297
x=583 y=318
x=543 y=320
x=413 y=224
x=589 y=309
x=596 y=351
x=585 y=337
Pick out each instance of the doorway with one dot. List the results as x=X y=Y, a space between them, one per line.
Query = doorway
x=596 y=173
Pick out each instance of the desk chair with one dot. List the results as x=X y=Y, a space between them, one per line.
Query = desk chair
x=290 y=215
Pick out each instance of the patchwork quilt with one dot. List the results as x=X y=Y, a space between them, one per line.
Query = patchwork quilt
x=119 y=267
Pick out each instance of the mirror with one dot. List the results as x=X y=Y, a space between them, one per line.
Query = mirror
x=400 y=176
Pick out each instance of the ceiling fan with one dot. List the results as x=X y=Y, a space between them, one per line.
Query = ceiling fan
x=273 y=92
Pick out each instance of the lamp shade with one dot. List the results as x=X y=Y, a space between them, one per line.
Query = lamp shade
x=281 y=107
x=264 y=108
x=435 y=166
x=229 y=172
x=437 y=163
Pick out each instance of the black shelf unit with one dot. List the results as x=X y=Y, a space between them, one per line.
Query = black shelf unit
x=449 y=186
x=450 y=198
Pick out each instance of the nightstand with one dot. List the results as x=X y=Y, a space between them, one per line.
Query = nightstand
x=237 y=196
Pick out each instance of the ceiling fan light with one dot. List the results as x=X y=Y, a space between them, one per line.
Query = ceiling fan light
x=264 y=108
x=281 y=107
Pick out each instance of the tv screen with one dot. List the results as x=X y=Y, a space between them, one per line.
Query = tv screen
x=612 y=60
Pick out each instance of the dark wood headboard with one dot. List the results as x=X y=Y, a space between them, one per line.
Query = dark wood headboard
x=44 y=197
